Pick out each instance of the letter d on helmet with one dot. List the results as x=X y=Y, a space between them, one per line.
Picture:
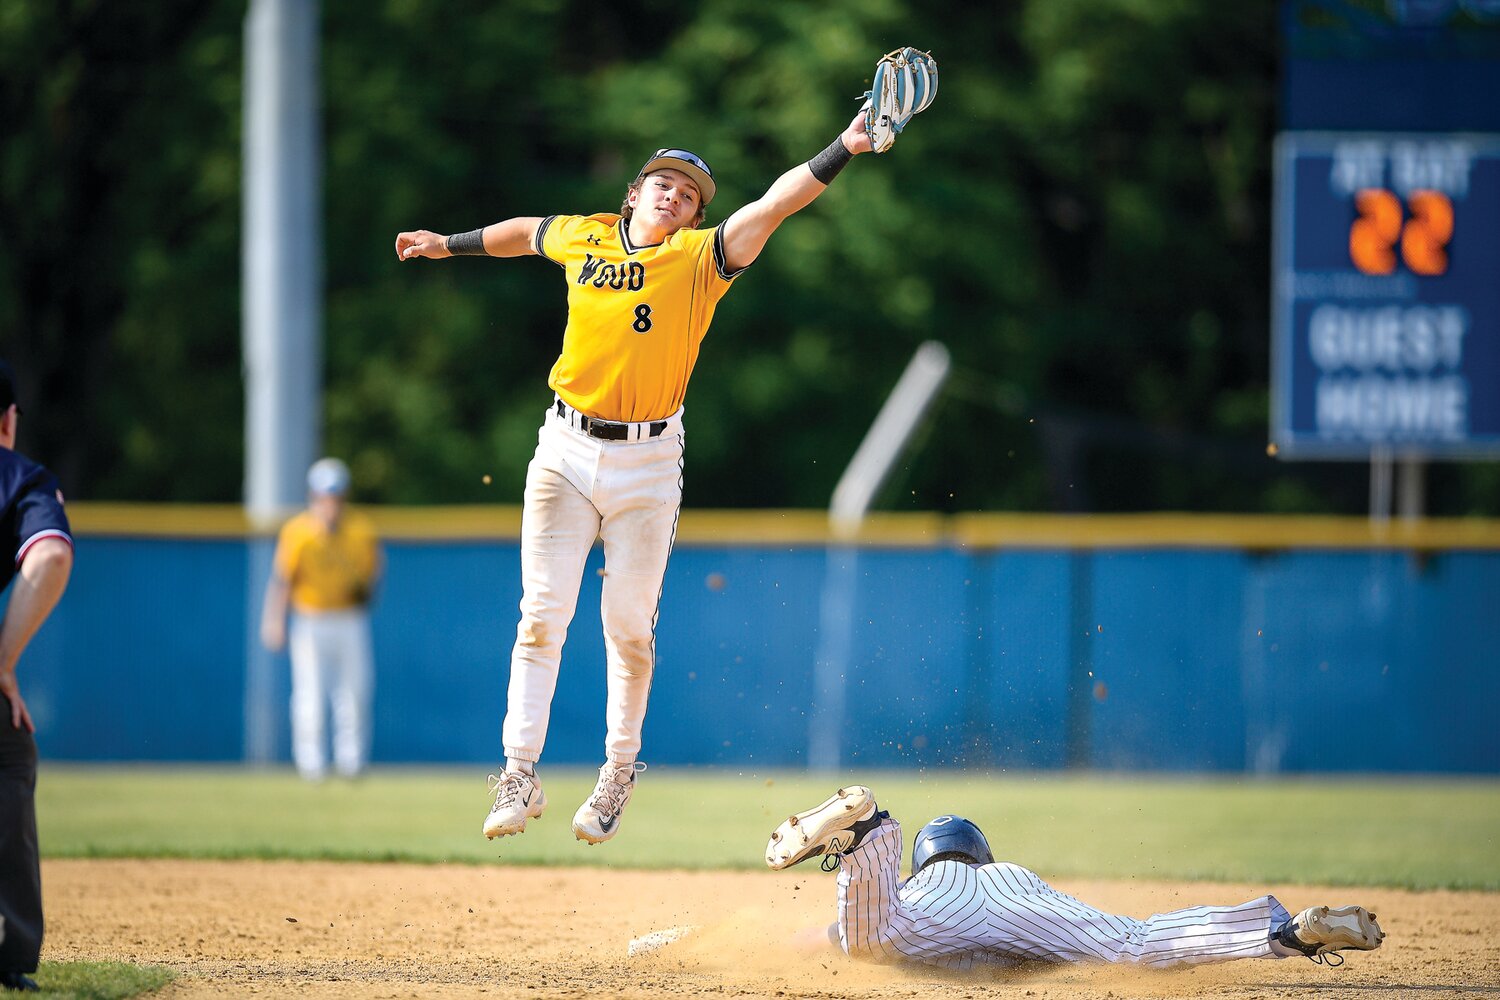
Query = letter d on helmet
x=949 y=837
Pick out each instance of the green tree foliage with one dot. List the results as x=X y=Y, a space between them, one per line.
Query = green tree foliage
x=119 y=199
x=1082 y=217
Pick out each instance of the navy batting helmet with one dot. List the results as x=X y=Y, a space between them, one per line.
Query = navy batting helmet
x=949 y=837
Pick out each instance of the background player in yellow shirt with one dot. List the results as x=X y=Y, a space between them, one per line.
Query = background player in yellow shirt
x=642 y=287
x=326 y=566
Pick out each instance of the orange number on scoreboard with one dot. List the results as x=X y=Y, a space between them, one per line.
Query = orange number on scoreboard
x=1424 y=240
x=1372 y=238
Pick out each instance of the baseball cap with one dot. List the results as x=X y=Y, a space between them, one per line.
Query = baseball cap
x=328 y=476
x=691 y=164
x=7 y=387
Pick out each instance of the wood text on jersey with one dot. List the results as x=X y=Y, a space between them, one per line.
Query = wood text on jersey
x=620 y=277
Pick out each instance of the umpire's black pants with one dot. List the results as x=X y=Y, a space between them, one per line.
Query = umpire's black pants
x=20 y=862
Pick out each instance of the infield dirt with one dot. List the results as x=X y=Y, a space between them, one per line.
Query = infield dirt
x=329 y=930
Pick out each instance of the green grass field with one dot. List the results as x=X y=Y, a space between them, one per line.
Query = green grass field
x=98 y=980
x=1417 y=833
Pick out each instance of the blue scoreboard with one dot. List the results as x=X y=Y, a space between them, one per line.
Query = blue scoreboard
x=1385 y=312
x=1386 y=275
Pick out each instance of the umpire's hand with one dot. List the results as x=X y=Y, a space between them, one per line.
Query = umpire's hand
x=20 y=718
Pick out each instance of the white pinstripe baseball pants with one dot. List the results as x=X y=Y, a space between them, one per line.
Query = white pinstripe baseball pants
x=956 y=915
x=579 y=488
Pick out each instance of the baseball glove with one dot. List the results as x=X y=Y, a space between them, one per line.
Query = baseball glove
x=905 y=83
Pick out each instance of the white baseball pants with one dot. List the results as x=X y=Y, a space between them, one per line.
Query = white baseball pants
x=956 y=915
x=331 y=665
x=579 y=488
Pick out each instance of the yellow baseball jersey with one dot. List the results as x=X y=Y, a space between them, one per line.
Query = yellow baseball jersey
x=636 y=315
x=328 y=570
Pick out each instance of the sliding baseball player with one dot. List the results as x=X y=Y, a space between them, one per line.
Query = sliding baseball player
x=961 y=908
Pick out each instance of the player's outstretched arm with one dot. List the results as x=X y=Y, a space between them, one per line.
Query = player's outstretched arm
x=747 y=230
x=511 y=238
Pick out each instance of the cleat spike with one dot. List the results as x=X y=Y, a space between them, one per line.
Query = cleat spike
x=824 y=830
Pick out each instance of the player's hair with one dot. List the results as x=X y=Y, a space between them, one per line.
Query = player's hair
x=635 y=185
x=963 y=856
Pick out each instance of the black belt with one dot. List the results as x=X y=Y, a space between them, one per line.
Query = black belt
x=606 y=430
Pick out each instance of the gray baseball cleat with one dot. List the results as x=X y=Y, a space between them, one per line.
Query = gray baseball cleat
x=1319 y=931
x=835 y=827
x=518 y=797
x=598 y=819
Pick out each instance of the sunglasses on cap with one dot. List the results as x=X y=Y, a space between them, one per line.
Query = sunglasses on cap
x=689 y=163
x=682 y=154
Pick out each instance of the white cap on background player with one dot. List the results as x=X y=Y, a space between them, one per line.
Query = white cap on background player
x=691 y=164
x=328 y=476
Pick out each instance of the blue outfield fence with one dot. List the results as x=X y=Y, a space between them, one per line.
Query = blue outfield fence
x=1178 y=653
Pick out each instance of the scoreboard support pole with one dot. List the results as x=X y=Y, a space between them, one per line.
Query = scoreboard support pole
x=1401 y=483
x=1382 y=469
x=1411 y=489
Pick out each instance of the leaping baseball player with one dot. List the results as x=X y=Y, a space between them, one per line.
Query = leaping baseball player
x=961 y=908
x=642 y=288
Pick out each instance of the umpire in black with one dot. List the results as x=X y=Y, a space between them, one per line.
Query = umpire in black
x=35 y=529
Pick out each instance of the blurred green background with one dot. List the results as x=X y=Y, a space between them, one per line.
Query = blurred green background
x=1082 y=217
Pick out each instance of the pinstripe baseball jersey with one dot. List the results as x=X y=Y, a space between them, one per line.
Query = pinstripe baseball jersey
x=956 y=915
x=636 y=314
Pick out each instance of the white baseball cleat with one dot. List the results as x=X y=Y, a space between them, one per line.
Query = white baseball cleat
x=1319 y=930
x=829 y=828
x=518 y=797
x=598 y=819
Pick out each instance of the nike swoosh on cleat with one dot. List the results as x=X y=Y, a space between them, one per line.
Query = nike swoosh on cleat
x=608 y=823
